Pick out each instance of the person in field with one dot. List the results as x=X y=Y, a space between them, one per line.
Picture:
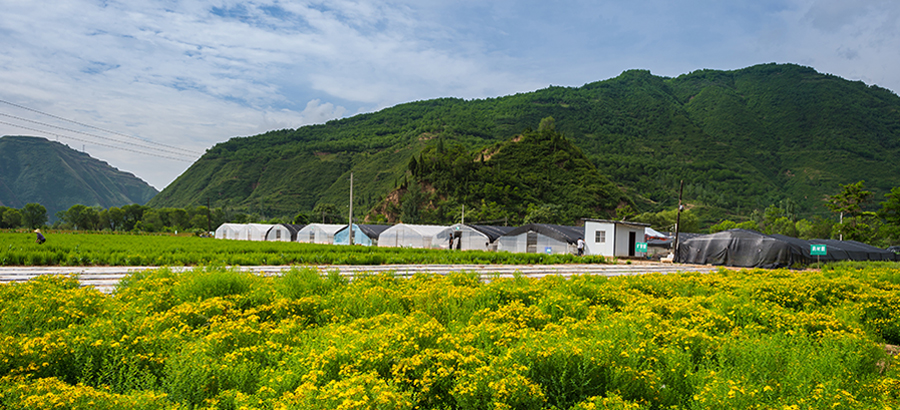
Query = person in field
x=40 y=237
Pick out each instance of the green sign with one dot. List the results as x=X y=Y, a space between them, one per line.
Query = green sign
x=640 y=247
x=817 y=250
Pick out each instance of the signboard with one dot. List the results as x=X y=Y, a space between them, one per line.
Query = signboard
x=640 y=247
x=549 y=250
x=817 y=250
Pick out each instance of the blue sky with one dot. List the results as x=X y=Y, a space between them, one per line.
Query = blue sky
x=173 y=78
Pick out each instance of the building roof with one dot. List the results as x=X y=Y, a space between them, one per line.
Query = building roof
x=568 y=234
x=626 y=223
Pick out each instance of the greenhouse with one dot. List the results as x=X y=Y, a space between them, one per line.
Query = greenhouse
x=412 y=236
x=366 y=235
x=255 y=232
x=318 y=233
x=284 y=233
x=472 y=237
x=228 y=231
x=541 y=238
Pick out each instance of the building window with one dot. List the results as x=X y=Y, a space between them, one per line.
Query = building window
x=600 y=236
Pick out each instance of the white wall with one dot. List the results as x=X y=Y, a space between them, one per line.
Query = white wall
x=616 y=242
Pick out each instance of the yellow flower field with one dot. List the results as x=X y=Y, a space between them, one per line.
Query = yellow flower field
x=221 y=339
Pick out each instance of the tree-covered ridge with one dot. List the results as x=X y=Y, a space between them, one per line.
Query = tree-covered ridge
x=742 y=140
x=36 y=170
x=538 y=176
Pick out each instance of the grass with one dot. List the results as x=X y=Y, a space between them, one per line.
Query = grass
x=95 y=249
x=220 y=338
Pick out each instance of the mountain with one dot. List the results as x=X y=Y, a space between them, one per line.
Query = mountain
x=34 y=169
x=741 y=140
x=536 y=177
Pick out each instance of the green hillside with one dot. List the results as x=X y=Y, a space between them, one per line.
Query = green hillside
x=538 y=176
x=741 y=140
x=37 y=170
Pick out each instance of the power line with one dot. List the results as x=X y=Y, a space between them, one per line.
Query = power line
x=92 y=142
x=91 y=126
x=98 y=136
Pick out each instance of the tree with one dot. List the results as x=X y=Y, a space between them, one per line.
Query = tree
x=850 y=200
x=410 y=203
x=12 y=218
x=855 y=224
x=543 y=214
x=890 y=209
x=327 y=213
x=34 y=215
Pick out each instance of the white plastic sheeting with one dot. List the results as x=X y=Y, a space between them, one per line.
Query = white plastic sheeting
x=244 y=232
x=541 y=238
x=471 y=237
x=413 y=236
x=228 y=231
x=283 y=233
x=318 y=233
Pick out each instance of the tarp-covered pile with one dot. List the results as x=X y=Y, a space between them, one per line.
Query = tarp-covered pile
x=745 y=248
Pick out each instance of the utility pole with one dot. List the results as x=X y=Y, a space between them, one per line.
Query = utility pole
x=463 y=221
x=208 y=219
x=678 y=222
x=350 y=227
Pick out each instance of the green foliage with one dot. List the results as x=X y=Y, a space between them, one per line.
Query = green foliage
x=80 y=249
x=539 y=176
x=36 y=170
x=741 y=140
x=748 y=339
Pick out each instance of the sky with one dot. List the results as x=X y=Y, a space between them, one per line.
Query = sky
x=148 y=86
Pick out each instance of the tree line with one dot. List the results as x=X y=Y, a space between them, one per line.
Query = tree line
x=857 y=218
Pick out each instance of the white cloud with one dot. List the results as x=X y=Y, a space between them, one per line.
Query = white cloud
x=194 y=73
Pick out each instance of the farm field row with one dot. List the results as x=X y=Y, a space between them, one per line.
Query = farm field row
x=229 y=339
x=87 y=249
x=105 y=278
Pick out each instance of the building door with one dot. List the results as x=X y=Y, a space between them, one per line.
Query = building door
x=632 y=241
x=531 y=242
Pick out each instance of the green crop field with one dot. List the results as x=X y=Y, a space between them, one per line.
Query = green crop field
x=214 y=338
x=94 y=249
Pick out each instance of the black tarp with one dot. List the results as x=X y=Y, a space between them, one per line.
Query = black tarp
x=568 y=234
x=742 y=248
x=746 y=248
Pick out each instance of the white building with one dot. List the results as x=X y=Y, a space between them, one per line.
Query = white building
x=613 y=238
x=229 y=231
x=472 y=237
x=318 y=233
x=283 y=233
x=541 y=238
x=412 y=236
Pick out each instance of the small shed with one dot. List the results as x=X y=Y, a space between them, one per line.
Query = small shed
x=229 y=231
x=411 y=236
x=318 y=233
x=284 y=233
x=363 y=234
x=472 y=237
x=613 y=238
x=541 y=238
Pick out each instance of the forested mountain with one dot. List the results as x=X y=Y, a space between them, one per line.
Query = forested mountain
x=537 y=177
x=741 y=140
x=37 y=170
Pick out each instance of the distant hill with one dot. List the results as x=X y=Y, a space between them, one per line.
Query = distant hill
x=741 y=140
x=34 y=169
